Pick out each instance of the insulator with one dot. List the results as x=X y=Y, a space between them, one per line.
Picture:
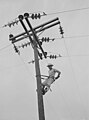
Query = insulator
x=33 y=61
x=40 y=54
x=53 y=39
x=22 y=45
x=19 y=46
x=9 y=24
x=50 y=56
x=32 y=16
x=12 y=23
x=41 y=43
x=16 y=50
x=42 y=39
x=35 y=16
x=47 y=39
x=55 y=56
x=16 y=22
x=28 y=43
x=46 y=53
x=39 y=16
x=61 y=30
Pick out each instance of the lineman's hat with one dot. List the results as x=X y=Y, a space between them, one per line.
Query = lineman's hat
x=49 y=65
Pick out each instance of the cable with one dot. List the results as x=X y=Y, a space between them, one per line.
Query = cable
x=64 y=99
x=79 y=55
x=1 y=49
x=23 y=62
x=71 y=10
x=72 y=37
x=52 y=109
x=45 y=14
x=74 y=75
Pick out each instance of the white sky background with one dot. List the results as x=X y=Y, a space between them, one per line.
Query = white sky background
x=69 y=99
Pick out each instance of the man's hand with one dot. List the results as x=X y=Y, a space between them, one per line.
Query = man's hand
x=58 y=75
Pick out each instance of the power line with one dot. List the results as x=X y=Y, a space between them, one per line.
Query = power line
x=72 y=37
x=66 y=37
x=76 y=55
x=66 y=11
x=77 y=85
x=15 y=21
x=1 y=49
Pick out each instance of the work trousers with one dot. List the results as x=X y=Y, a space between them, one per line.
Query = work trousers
x=48 y=81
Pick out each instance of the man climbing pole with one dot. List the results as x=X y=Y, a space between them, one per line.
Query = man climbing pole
x=50 y=79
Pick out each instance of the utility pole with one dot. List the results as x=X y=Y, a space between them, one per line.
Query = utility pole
x=35 y=45
x=37 y=68
x=39 y=91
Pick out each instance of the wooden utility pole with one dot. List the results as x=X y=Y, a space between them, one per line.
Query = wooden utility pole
x=37 y=68
x=39 y=91
x=38 y=75
x=35 y=43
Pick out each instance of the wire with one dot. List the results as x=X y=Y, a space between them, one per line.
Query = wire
x=71 y=10
x=74 y=76
x=79 y=55
x=65 y=101
x=1 y=49
x=24 y=63
x=72 y=37
x=52 y=108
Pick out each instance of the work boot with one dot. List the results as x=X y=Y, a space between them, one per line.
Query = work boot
x=43 y=90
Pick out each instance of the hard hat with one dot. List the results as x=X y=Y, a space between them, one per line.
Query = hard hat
x=49 y=65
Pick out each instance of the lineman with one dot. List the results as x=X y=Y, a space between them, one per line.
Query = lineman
x=50 y=79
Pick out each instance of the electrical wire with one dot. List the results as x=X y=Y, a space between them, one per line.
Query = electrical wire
x=65 y=101
x=59 y=12
x=24 y=63
x=79 y=36
x=73 y=37
x=66 y=11
x=77 y=85
x=52 y=108
x=1 y=49
x=64 y=56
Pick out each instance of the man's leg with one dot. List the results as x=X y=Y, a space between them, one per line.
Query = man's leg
x=47 y=88
x=44 y=84
x=43 y=91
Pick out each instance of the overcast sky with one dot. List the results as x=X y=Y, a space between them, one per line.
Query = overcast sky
x=69 y=99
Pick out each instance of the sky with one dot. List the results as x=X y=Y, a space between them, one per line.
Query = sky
x=69 y=99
